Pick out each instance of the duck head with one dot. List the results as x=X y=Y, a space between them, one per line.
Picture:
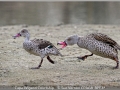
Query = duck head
x=71 y=40
x=23 y=32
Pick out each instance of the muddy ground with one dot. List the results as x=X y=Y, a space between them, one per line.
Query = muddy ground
x=67 y=70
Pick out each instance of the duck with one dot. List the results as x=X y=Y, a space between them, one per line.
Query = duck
x=97 y=43
x=38 y=47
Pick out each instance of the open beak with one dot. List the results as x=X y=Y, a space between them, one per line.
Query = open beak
x=64 y=44
x=17 y=35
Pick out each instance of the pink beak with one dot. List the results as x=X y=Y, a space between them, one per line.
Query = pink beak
x=17 y=35
x=62 y=43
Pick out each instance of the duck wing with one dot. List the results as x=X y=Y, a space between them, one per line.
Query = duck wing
x=41 y=43
x=104 y=38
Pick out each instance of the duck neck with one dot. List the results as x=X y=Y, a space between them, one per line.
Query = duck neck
x=81 y=42
x=76 y=40
x=27 y=38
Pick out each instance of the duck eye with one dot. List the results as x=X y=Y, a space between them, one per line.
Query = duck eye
x=23 y=31
x=69 y=39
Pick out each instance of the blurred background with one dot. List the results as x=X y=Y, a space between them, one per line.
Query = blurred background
x=57 y=13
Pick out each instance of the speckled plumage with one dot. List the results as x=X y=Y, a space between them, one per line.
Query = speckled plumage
x=38 y=47
x=97 y=43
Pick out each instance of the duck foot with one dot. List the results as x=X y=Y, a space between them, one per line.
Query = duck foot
x=38 y=65
x=116 y=67
x=84 y=57
x=35 y=68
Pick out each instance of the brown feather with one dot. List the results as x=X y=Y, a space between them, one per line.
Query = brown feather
x=41 y=43
x=104 y=38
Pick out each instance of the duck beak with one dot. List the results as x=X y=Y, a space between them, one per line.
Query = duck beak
x=64 y=44
x=17 y=35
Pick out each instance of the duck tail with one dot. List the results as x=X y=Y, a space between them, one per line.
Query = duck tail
x=54 y=50
x=58 y=52
x=118 y=46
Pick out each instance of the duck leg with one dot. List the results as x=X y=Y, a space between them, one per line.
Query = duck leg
x=117 y=63
x=38 y=65
x=50 y=60
x=84 y=57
